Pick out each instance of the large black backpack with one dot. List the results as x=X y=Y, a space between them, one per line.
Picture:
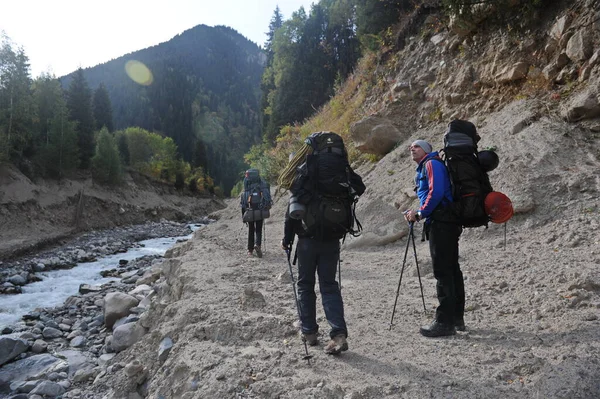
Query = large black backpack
x=470 y=181
x=257 y=192
x=329 y=188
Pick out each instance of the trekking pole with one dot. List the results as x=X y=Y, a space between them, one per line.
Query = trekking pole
x=264 y=237
x=412 y=234
x=505 y=235
x=307 y=357
x=401 y=273
x=340 y=272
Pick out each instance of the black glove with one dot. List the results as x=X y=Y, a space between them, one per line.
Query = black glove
x=286 y=246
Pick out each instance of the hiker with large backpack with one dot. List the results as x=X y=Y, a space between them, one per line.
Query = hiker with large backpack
x=434 y=190
x=320 y=212
x=454 y=192
x=256 y=202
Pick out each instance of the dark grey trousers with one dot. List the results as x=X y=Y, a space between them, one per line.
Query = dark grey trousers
x=320 y=258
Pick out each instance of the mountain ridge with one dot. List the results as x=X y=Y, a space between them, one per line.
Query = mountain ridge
x=204 y=93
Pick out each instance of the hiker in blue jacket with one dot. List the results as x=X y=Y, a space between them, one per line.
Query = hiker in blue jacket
x=432 y=184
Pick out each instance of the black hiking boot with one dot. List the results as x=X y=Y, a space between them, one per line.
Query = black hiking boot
x=258 y=251
x=437 y=329
x=460 y=324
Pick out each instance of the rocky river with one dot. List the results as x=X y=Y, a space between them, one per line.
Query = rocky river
x=66 y=311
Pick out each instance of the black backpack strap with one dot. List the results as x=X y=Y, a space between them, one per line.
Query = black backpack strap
x=443 y=203
x=356 y=232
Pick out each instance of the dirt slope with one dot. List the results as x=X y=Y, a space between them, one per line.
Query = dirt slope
x=33 y=214
x=532 y=305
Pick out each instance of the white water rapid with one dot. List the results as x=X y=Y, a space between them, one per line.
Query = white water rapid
x=58 y=285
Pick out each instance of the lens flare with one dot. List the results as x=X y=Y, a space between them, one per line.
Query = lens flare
x=139 y=73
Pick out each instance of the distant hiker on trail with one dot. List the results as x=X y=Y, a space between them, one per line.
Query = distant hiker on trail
x=255 y=202
x=433 y=187
x=321 y=212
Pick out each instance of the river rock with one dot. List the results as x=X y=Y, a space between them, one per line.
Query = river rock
x=77 y=342
x=17 y=279
x=38 y=267
x=117 y=305
x=126 y=335
x=11 y=348
x=39 y=346
x=23 y=386
x=87 y=288
x=105 y=358
x=141 y=290
x=22 y=370
x=51 y=332
x=85 y=374
x=48 y=388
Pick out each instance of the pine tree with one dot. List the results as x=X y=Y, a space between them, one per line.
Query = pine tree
x=60 y=154
x=79 y=103
x=56 y=138
x=288 y=76
x=268 y=79
x=121 y=139
x=16 y=102
x=373 y=16
x=102 y=109
x=341 y=40
x=106 y=163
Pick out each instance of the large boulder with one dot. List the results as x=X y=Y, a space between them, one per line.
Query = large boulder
x=511 y=73
x=560 y=27
x=585 y=105
x=386 y=226
x=579 y=46
x=24 y=369
x=11 y=348
x=117 y=305
x=375 y=135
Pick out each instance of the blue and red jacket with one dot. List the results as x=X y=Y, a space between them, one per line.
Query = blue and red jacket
x=433 y=185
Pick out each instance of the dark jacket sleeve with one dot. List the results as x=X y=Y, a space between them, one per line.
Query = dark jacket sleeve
x=243 y=200
x=289 y=228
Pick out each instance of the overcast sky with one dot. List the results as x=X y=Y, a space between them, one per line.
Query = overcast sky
x=61 y=35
